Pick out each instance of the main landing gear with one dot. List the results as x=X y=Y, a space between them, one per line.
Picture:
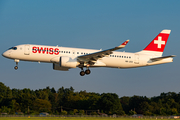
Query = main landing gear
x=16 y=67
x=87 y=72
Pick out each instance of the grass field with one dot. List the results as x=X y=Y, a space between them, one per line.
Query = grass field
x=71 y=118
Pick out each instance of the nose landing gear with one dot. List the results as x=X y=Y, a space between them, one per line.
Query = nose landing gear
x=16 y=67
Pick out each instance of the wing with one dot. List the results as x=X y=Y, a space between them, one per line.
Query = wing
x=93 y=57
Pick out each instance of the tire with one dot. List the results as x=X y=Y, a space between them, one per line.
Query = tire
x=82 y=73
x=16 y=67
x=87 y=72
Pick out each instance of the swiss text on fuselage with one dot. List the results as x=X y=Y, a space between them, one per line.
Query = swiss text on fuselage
x=45 y=50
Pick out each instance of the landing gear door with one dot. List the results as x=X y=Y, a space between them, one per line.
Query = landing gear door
x=26 y=50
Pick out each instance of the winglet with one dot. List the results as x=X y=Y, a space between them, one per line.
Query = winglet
x=123 y=44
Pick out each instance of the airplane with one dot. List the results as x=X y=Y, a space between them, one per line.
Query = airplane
x=64 y=58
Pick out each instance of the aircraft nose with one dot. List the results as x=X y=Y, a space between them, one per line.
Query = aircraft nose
x=5 y=54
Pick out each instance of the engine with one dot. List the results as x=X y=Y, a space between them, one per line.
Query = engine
x=67 y=62
x=64 y=63
x=57 y=67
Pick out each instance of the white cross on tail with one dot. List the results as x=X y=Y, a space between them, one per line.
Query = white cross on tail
x=159 y=42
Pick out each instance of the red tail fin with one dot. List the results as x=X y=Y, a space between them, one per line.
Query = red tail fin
x=159 y=42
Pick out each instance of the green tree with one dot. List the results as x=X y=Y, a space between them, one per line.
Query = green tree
x=125 y=104
x=145 y=108
x=81 y=112
x=155 y=108
x=75 y=111
x=174 y=111
x=132 y=112
x=53 y=98
x=42 y=94
x=135 y=103
x=53 y=90
x=14 y=106
x=148 y=113
x=110 y=103
x=25 y=99
x=5 y=95
x=64 y=112
x=5 y=109
x=41 y=105
x=61 y=96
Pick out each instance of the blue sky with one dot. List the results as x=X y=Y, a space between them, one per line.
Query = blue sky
x=95 y=25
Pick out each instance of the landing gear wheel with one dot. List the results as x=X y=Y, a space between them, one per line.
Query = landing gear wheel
x=82 y=73
x=87 y=72
x=16 y=67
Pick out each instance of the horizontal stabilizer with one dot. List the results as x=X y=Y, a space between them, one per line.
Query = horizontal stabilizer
x=160 y=58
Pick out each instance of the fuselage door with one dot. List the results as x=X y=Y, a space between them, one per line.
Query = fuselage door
x=26 y=50
x=136 y=58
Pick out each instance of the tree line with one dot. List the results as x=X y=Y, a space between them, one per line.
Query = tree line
x=66 y=101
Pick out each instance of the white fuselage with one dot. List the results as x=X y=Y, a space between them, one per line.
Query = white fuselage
x=51 y=54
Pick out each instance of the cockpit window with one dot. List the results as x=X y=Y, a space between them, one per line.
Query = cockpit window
x=13 y=48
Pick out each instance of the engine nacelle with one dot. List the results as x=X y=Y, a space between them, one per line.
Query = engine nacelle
x=57 y=67
x=68 y=62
